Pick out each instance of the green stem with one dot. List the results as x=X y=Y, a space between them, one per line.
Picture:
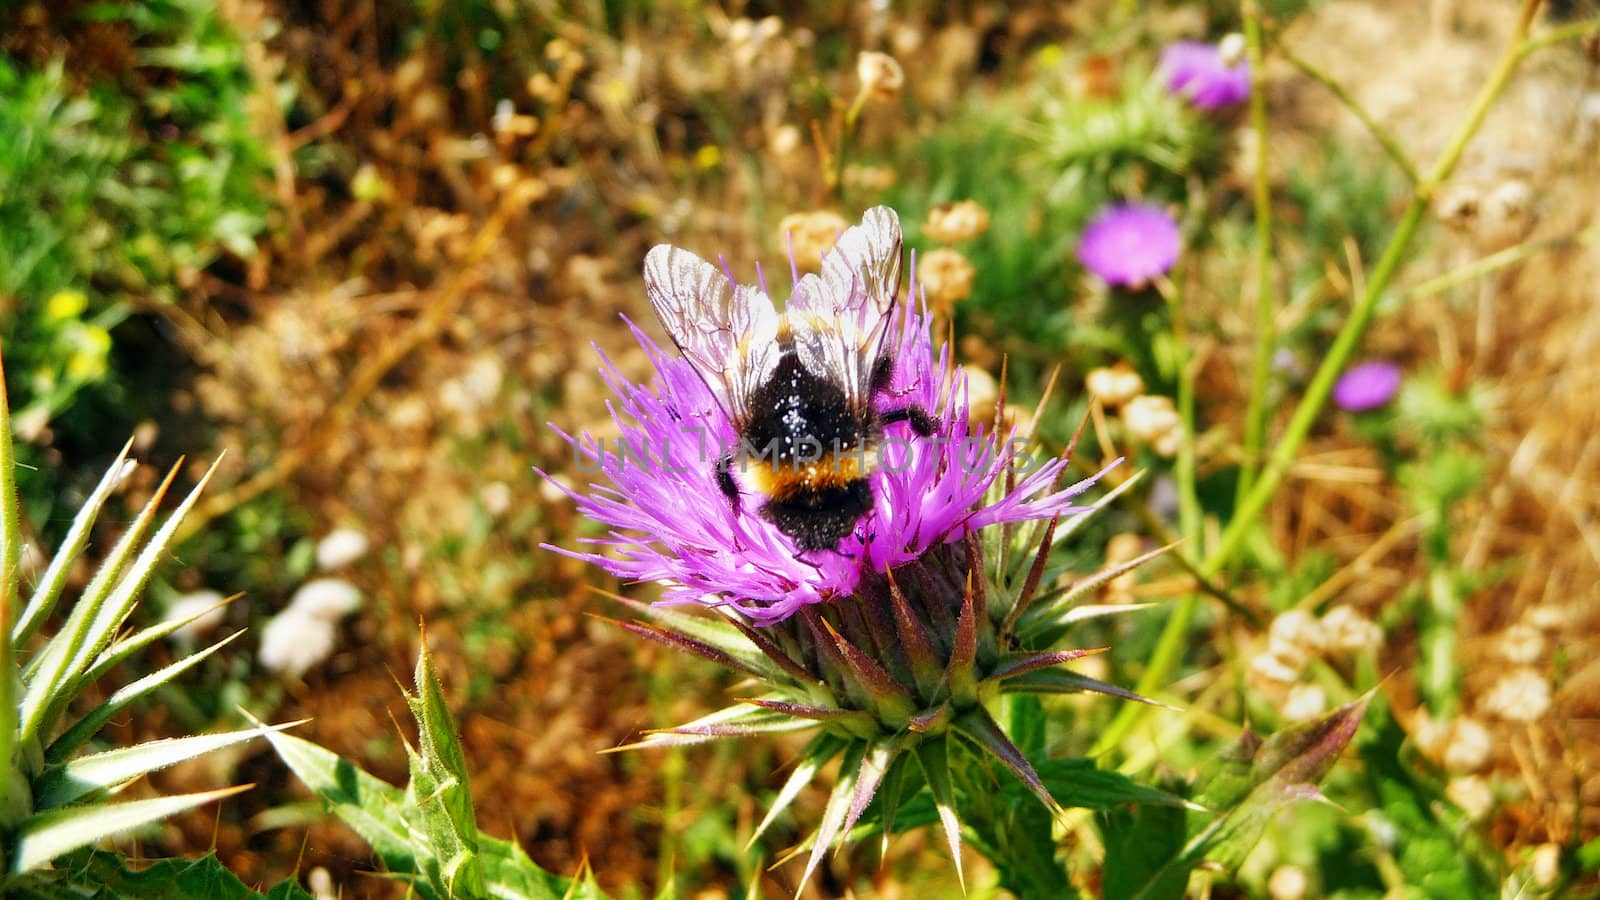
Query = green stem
x=847 y=129
x=1381 y=134
x=1183 y=469
x=1494 y=261
x=13 y=804
x=1255 y=419
x=1163 y=661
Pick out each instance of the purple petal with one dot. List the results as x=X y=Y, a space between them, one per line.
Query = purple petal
x=1367 y=386
x=1130 y=244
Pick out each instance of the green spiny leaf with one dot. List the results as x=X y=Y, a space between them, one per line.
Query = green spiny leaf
x=97 y=875
x=981 y=728
x=90 y=725
x=45 y=836
x=61 y=784
x=368 y=805
x=46 y=595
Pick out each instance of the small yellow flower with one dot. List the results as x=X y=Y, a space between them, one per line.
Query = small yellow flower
x=65 y=305
x=90 y=345
x=953 y=223
x=947 y=277
x=708 y=157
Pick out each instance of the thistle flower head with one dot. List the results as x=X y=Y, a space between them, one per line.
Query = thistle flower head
x=1367 y=386
x=888 y=644
x=1130 y=244
x=1210 y=76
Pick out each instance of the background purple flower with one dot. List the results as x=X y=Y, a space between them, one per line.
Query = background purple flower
x=1205 y=74
x=669 y=522
x=1130 y=244
x=1367 y=386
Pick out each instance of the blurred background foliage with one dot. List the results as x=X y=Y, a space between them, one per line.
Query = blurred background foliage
x=364 y=247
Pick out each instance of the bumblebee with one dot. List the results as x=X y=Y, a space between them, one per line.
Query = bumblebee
x=798 y=386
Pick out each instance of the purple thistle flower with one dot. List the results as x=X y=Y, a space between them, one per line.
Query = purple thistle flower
x=1210 y=76
x=1130 y=244
x=1367 y=386
x=891 y=642
x=671 y=523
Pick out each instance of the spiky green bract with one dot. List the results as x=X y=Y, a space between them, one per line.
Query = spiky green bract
x=53 y=799
x=427 y=832
x=901 y=680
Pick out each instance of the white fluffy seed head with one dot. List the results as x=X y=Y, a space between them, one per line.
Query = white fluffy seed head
x=1347 y=631
x=1305 y=702
x=326 y=598
x=1521 y=695
x=203 y=604
x=1468 y=747
x=294 y=642
x=340 y=548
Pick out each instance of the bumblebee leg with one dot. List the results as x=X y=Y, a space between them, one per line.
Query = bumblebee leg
x=922 y=423
x=882 y=374
x=725 y=482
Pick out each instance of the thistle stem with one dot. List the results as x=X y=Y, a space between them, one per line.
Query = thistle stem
x=1255 y=425
x=11 y=805
x=1495 y=261
x=1381 y=134
x=1163 y=661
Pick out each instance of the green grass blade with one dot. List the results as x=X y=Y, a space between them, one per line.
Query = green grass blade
x=61 y=784
x=45 y=836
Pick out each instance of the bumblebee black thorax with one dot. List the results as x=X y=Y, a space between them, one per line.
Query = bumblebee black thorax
x=797 y=417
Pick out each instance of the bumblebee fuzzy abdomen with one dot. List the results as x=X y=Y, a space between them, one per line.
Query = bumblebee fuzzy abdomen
x=784 y=482
x=818 y=513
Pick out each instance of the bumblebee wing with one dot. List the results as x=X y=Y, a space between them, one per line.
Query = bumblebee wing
x=728 y=333
x=837 y=319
